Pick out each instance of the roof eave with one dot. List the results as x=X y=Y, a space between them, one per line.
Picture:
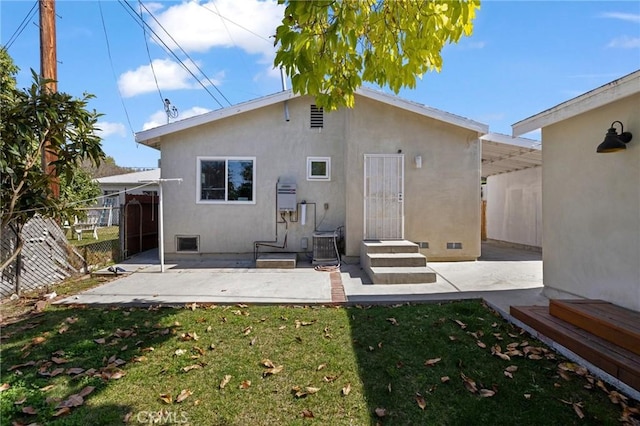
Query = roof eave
x=153 y=136
x=424 y=110
x=603 y=95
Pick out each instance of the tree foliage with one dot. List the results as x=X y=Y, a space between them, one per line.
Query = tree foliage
x=330 y=47
x=31 y=118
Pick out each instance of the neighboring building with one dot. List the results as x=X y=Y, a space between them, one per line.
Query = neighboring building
x=591 y=200
x=130 y=183
x=513 y=191
x=386 y=169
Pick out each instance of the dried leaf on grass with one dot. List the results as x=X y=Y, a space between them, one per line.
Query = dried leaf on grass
x=246 y=384
x=445 y=379
x=184 y=394
x=29 y=410
x=225 y=381
x=307 y=414
x=299 y=392
x=4 y=387
x=422 y=403
x=346 y=390
x=380 y=412
x=191 y=367
x=431 y=362
x=393 y=321
x=166 y=398
x=461 y=324
x=486 y=393
x=62 y=412
x=469 y=383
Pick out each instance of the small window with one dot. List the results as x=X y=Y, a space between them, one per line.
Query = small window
x=226 y=180
x=189 y=244
x=318 y=168
x=317 y=117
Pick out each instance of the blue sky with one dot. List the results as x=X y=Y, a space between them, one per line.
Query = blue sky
x=523 y=57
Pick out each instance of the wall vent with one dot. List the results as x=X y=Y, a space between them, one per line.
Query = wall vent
x=317 y=117
x=454 y=246
x=423 y=244
x=189 y=243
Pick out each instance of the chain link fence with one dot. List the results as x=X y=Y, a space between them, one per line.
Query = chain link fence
x=53 y=252
x=96 y=235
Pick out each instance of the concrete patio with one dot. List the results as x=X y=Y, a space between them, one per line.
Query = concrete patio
x=503 y=276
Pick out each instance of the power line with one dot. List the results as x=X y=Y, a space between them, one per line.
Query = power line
x=22 y=26
x=224 y=18
x=187 y=55
x=113 y=71
x=146 y=44
x=124 y=3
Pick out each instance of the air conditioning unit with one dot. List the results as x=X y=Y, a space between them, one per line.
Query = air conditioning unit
x=324 y=248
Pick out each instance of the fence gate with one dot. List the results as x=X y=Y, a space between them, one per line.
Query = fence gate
x=140 y=228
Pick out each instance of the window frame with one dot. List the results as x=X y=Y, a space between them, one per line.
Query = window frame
x=324 y=178
x=226 y=160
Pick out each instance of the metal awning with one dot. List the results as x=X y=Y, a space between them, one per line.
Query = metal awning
x=503 y=154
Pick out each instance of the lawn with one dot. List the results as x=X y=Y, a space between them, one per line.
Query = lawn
x=105 y=233
x=447 y=364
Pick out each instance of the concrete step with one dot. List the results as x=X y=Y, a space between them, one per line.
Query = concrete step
x=396 y=260
x=401 y=275
x=390 y=246
x=276 y=261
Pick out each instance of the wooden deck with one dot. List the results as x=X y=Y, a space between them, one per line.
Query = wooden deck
x=604 y=334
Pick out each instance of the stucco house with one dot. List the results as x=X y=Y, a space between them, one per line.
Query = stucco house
x=591 y=200
x=272 y=173
x=115 y=186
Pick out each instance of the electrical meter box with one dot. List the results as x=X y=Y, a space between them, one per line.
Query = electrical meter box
x=287 y=201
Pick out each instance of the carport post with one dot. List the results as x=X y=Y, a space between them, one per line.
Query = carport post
x=161 y=218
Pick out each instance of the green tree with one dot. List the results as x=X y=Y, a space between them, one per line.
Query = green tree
x=107 y=167
x=329 y=47
x=31 y=117
x=78 y=190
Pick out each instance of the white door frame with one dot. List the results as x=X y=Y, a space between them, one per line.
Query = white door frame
x=384 y=210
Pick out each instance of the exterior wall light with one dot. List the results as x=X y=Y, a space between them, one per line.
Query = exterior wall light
x=418 y=161
x=613 y=141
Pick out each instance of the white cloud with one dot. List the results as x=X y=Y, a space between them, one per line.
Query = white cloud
x=159 y=118
x=107 y=129
x=198 y=27
x=625 y=42
x=474 y=45
x=170 y=76
x=629 y=17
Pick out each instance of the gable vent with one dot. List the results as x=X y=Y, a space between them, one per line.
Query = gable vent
x=317 y=117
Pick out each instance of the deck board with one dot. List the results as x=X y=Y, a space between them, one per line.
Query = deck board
x=613 y=359
x=610 y=322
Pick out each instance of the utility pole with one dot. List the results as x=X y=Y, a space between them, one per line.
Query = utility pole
x=49 y=71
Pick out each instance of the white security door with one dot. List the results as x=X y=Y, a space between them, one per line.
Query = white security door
x=383 y=196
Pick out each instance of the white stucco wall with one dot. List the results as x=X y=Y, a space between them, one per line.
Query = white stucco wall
x=441 y=199
x=280 y=149
x=591 y=207
x=514 y=207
